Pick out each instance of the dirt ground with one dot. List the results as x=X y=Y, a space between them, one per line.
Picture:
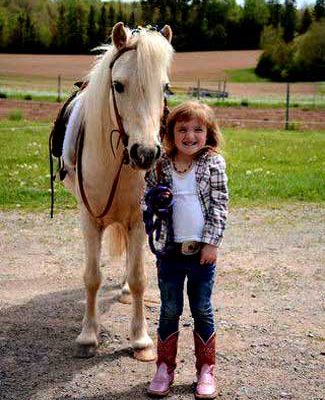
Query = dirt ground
x=241 y=117
x=268 y=299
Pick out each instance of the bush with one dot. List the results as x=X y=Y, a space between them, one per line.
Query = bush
x=28 y=97
x=301 y=60
x=3 y=95
x=309 y=59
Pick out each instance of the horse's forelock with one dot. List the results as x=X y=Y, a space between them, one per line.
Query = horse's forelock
x=154 y=54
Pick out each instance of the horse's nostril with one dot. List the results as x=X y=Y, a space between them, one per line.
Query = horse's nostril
x=134 y=152
x=143 y=156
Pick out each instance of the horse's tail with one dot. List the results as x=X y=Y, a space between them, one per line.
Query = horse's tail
x=116 y=240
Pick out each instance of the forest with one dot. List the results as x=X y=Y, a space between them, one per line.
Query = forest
x=77 y=26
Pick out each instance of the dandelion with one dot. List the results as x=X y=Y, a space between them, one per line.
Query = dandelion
x=248 y=172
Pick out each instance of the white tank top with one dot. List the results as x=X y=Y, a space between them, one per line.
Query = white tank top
x=188 y=218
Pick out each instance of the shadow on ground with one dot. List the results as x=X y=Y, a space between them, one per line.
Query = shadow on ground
x=37 y=344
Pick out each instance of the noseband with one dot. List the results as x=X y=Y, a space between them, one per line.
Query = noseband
x=122 y=136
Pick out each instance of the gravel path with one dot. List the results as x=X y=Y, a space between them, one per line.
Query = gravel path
x=269 y=302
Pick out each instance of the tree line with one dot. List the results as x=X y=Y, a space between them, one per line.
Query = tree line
x=77 y=26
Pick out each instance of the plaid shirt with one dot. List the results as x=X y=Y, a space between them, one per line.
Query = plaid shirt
x=211 y=181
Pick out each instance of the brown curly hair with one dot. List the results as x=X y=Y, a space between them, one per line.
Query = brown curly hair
x=193 y=110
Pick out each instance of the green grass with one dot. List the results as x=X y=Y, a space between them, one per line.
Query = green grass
x=244 y=76
x=36 y=95
x=267 y=167
x=24 y=167
x=264 y=167
x=308 y=102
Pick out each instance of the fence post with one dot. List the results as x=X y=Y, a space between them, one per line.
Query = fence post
x=59 y=89
x=198 y=89
x=287 y=106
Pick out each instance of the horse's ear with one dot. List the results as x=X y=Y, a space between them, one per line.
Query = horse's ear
x=167 y=32
x=119 y=35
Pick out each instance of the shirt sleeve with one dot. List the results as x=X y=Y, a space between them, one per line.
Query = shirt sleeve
x=218 y=207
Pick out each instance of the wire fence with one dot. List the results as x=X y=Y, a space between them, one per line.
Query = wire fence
x=243 y=105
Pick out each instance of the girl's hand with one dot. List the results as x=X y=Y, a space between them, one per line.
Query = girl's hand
x=208 y=254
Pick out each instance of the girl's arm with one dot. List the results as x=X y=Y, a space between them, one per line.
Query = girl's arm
x=218 y=209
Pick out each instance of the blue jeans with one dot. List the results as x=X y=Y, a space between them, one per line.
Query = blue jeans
x=172 y=271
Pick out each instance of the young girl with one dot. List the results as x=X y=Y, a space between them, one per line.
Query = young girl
x=194 y=171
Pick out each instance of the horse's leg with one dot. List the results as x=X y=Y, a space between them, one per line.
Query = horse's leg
x=87 y=340
x=125 y=296
x=141 y=342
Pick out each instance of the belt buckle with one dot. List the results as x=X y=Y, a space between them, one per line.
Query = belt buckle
x=190 y=247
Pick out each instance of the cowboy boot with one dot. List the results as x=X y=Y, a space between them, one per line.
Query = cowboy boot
x=205 y=362
x=166 y=364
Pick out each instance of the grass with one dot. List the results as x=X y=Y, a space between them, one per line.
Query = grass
x=268 y=167
x=264 y=167
x=308 y=102
x=246 y=75
x=24 y=170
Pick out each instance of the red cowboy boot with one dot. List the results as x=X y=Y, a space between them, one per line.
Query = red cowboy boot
x=205 y=361
x=166 y=364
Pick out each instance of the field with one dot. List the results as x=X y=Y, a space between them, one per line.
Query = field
x=37 y=76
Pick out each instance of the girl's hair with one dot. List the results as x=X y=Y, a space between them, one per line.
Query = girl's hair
x=184 y=113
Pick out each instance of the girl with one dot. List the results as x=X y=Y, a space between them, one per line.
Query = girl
x=195 y=173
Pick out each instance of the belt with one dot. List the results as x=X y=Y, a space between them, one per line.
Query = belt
x=187 y=248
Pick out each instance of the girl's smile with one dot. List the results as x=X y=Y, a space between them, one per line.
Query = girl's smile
x=190 y=137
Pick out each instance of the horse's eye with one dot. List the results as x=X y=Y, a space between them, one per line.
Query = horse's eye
x=118 y=86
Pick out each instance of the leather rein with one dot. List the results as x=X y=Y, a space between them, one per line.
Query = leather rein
x=122 y=137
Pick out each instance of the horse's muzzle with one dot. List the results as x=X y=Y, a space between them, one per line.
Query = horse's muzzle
x=144 y=157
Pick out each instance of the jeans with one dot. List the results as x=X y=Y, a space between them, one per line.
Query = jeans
x=172 y=271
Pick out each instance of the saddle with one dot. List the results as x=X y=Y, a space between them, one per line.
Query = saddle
x=60 y=123
x=56 y=139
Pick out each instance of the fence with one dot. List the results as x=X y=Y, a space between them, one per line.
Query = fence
x=258 y=104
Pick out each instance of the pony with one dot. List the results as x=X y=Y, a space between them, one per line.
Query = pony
x=122 y=102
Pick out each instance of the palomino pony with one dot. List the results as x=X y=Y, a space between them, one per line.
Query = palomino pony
x=123 y=102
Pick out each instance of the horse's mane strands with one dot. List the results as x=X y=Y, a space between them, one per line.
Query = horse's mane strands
x=154 y=55
x=96 y=96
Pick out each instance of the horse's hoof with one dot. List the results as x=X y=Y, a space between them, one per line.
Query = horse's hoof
x=145 y=355
x=85 y=350
x=125 y=298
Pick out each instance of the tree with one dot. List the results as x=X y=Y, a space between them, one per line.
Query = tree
x=102 y=25
x=91 y=28
x=289 y=20
x=111 y=16
x=275 y=10
x=319 y=10
x=131 y=21
x=60 y=39
x=76 y=26
x=306 y=21
x=255 y=16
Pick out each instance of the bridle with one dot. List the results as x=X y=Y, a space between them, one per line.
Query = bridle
x=122 y=136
